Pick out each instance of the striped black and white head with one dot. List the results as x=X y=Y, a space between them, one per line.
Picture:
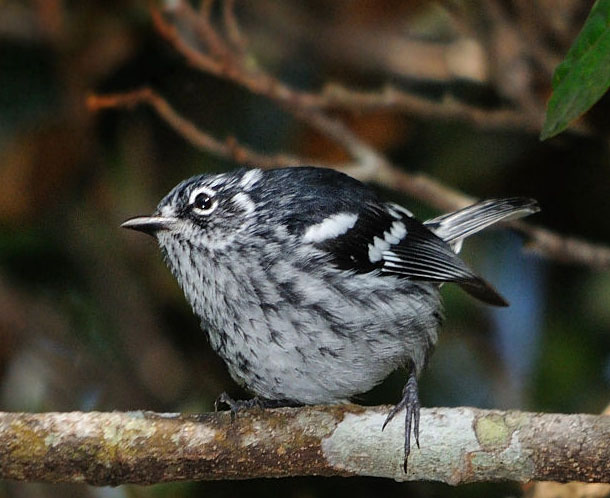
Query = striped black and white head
x=204 y=213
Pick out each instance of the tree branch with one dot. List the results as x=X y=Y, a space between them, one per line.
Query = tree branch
x=230 y=149
x=225 y=63
x=368 y=165
x=226 y=59
x=458 y=445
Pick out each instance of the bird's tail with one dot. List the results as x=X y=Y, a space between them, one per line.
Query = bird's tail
x=454 y=227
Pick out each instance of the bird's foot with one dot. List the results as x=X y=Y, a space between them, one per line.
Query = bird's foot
x=237 y=405
x=246 y=404
x=410 y=402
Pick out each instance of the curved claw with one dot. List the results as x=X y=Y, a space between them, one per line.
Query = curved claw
x=397 y=408
x=237 y=405
x=233 y=405
x=409 y=402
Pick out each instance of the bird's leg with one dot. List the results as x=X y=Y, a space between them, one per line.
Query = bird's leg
x=410 y=402
x=245 y=404
x=237 y=405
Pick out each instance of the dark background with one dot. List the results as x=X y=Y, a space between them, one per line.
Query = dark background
x=90 y=318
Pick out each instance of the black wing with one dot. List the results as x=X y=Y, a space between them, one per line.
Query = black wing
x=359 y=232
x=386 y=238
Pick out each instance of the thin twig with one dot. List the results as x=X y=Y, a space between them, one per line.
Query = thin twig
x=368 y=166
x=234 y=33
x=203 y=28
x=530 y=20
x=229 y=149
x=230 y=65
x=198 y=59
x=336 y=96
x=562 y=248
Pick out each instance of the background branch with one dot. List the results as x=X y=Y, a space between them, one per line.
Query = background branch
x=225 y=62
x=226 y=59
x=458 y=445
x=368 y=165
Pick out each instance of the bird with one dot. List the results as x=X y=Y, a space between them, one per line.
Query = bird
x=310 y=286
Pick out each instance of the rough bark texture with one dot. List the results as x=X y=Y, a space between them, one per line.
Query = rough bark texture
x=458 y=445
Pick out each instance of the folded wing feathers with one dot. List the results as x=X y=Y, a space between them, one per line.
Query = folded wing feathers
x=424 y=257
x=426 y=261
x=386 y=237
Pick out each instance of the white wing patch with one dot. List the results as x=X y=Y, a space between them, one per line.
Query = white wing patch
x=374 y=254
x=394 y=213
x=250 y=178
x=398 y=232
x=380 y=247
x=331 y=227
x=397 y=207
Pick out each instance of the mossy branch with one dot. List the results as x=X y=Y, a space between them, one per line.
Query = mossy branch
x=458 y=445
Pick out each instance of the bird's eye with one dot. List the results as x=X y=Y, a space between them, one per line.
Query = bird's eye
x=203 y=203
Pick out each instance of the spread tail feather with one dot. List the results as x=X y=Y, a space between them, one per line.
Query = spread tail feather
x=455 y=227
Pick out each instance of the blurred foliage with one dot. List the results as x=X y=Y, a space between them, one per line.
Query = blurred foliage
x=90 y=318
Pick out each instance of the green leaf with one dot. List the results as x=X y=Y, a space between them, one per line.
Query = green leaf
x=584 y=75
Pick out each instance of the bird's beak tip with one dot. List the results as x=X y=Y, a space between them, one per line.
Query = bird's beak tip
x=148 y=224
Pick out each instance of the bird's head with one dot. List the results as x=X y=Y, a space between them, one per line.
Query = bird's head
x=204 y=212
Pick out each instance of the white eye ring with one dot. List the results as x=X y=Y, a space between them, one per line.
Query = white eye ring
x=202 y=201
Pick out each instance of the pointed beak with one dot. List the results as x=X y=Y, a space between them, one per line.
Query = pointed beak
x=149 y=224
